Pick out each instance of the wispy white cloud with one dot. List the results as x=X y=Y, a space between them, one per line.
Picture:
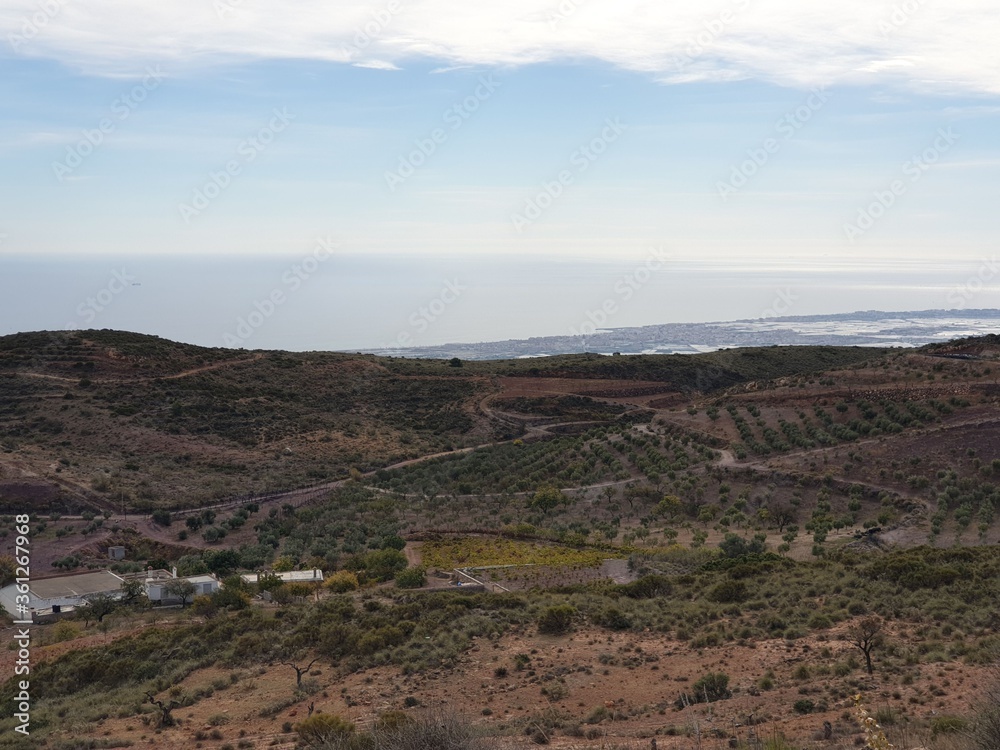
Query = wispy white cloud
x=937 y=46
x=376 y=65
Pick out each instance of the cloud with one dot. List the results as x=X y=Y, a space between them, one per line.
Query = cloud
x=943 y=47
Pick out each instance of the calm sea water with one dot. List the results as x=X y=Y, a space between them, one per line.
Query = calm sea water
x=344 y=302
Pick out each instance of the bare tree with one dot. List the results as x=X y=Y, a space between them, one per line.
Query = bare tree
x=299 y=671
x=166 y=720
x=866 y=635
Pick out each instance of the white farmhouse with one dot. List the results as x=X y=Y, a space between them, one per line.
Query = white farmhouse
x=157 y=588
x=56 y=595
x=290 y=576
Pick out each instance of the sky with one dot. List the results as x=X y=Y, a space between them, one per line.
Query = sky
x=747 y=134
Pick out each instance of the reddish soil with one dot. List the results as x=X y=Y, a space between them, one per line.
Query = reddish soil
x=641 y=675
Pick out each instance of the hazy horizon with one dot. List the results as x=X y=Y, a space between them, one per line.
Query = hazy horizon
x=351 y=302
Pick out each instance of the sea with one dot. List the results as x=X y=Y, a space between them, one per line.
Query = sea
x=324 y=300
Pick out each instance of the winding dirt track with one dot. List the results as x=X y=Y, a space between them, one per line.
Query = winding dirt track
x=147 y=378
x=532 y=430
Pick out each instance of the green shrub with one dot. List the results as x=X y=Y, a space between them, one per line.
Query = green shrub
x=804 y=706
x=598 y=715
x=341 y=582
x=411 y=578
x=712 y=687
x=393 y=722
x=734 y=546
x=948 y=725
x=647 y=587
x=379 y=565
x=728 y=592
x=213 y=534
x=820 y=622
x=613 y=619
x=319 y=729
x=556 y=620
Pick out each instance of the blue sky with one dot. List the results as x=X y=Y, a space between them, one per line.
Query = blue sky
x=739 y=131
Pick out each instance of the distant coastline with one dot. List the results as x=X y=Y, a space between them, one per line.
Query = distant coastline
x=865 y=328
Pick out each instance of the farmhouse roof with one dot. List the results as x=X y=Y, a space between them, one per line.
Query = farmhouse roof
x=80 y=584
x=207 y=578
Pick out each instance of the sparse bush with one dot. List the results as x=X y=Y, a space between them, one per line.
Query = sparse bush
x=613 y=619
x=320 y=729
x=555 y=691
x=64 y=631
x=803 y=706
x=213 y=534
x=429 y=732
x=728 y=592
x=985 y=728
x=712 y=687
x=598 y=715
x=556 y=620
x=647 y=587
x=734 y=546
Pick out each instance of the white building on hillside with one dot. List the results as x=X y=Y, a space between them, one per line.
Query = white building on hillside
x=158 y=589
x=290 y=576
x=56 y=595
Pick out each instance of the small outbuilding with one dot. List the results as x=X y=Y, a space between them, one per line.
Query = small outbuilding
x=289 y=576
x=161 y=590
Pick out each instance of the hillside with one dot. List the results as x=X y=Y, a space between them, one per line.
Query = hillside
x=104 y=419
x=638 y=529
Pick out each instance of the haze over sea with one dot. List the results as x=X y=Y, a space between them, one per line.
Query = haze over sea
x=352 y=302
